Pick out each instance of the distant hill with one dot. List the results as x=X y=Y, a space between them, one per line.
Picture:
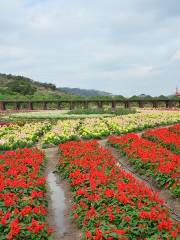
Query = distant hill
x=84 y=92
x=23 y=88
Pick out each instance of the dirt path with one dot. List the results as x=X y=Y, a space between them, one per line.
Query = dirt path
x=173 y=204
x=59 y=204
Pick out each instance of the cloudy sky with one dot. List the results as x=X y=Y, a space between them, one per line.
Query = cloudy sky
x=121 y=46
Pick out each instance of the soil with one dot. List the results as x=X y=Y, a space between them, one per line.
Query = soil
x=59 y=201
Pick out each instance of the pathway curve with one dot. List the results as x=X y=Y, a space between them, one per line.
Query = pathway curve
x=59 y=200
x=173 y=204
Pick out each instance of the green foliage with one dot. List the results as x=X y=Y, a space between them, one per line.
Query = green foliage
x=118 y=111
x=21 y=86
x=124 y=111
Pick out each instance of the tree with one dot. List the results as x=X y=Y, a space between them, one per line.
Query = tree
x=21 y=86
x=134 y=97
x=162 y=97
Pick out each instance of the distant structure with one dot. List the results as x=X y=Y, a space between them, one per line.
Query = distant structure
x=177 y=93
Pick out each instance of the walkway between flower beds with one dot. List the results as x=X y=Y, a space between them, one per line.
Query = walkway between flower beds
x=59 y=201
x=59 y=195
x=174 y=204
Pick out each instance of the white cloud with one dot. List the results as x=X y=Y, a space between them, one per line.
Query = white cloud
x=108 y=45
x=142 y=71
x=13 y=52
x=176 y=56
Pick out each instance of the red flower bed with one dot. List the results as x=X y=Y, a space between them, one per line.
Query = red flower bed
x=164 y=136
x=150 y=159
x=22 y=196
x=110 y=203
x=175 y=128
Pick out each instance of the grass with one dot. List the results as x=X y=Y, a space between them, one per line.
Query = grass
x=65 y=114
x=52 y=115
x=118 y=111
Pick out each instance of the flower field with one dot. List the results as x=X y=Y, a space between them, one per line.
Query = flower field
x=140 y=121
x=15 y=136
x=166 y=137
x=22 y=196
x=66 y=130
x=63 y=131
x=175 y=128
x=107 y=202
x=93 y=128
x=151 y=159
x=110 y=203
x=5 y=129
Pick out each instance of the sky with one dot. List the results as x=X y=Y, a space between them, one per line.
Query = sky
x=126 y=47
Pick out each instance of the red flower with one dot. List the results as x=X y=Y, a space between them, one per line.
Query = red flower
x=108 y=192
x=50 y=230
x=111 y=217
x=14 y=228
x=36 y=194
x=35 y=227
x=98 y=234
x=20 y=171
x=8 y=202
x=163 y=165
x=75 y=216
x=26 y=210
x=165 y=224
x=104 y=192
x=87 y=234
x=6 y=216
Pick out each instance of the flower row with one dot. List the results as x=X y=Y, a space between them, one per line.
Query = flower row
x=94 y=128
x=14 y=136
x=22 y=196
x=141 y=121
x=151 y=159
x=166 y=137
x=175 y=128
x=108 y=202
x=66 y=130
x=5 y=129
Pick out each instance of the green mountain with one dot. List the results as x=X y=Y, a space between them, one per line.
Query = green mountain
x=23 y=88
x=85 y=92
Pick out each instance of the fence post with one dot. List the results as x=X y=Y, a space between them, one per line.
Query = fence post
x=44 y=105
x=30 y=106
x=86 y=105
x=155 y=104
x=2 y=106
x=59 y=105
x=113 y=106
x=100 y=104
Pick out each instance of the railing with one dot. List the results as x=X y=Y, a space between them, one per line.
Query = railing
x=16 y=105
